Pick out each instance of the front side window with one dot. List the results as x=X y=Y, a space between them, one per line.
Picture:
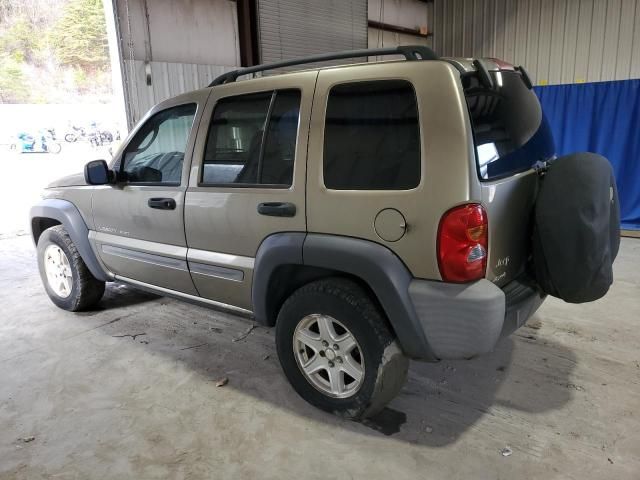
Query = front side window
x=252 y=140
x=372 y=137
x=156 y=153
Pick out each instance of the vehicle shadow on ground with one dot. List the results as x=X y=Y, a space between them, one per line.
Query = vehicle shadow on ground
x=441 y=401
x=118 y=295
x=523 y=374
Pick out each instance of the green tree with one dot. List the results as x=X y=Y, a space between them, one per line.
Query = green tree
x=13 y=88
x=22 y=41
x=79 y=38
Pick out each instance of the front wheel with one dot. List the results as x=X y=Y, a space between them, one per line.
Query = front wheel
x=337 y=350
x=66 y=278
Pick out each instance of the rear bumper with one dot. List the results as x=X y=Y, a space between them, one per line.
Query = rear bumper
x=465 y=320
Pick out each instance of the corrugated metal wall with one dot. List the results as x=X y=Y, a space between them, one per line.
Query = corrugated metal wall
x=186 y=44
x=299 y=28
x=558 y=41
x=169 y=80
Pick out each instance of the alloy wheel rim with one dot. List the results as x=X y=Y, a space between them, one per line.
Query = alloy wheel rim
x=328 y=356
x=58 y=271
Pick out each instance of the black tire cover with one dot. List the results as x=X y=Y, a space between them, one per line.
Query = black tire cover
x=576 y=233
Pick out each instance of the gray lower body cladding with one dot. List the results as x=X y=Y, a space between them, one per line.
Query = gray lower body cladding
x=465 y=320
x=69 y=216
x=432 y=320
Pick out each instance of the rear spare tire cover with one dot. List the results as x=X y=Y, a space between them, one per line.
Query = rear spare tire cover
x=576 y=233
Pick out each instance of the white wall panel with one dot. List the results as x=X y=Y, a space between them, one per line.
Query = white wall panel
x=190 y=31
x=596 y=40
x=186 y=43
x=558 y=41
x=583 y=46
x=625 y=40
x=635 y=50
x=569 y=59
x=168 y=80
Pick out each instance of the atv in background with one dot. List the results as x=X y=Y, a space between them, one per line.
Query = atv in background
x=42 y=142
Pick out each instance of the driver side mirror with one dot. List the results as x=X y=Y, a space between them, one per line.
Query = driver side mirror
x=97 y=172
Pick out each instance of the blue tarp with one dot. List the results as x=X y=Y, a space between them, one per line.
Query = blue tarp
x=603 y=118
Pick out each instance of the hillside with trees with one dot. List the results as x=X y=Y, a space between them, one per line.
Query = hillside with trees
x=53 y=51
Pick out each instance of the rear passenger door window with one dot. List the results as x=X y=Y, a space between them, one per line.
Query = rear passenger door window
x=249 y=181
x=252 y=140
x=372 y=136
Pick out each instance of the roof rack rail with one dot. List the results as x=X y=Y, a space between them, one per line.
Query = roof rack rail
x=410 y=52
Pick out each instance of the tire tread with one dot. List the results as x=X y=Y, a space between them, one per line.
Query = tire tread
x=89 y=290
x=391 y=371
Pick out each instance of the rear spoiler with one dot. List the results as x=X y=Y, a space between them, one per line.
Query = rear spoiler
x=483 y=69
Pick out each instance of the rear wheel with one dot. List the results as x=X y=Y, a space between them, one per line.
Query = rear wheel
x=54 y=147
x=66 y=278
x=336 y=349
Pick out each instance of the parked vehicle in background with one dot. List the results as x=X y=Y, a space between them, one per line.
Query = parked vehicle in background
x=95 y=138
x=373 y=213
x=95 y=135
x=106 y=136
x=40 y=142
x=74 y=134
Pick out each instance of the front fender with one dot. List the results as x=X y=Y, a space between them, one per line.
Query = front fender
x=69 y=217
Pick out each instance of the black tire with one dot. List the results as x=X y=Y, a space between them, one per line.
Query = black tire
x=86 y=290
x=385 y=367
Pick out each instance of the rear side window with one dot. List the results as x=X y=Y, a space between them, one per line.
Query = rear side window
x=372 y=137
x=252 y=140
x=510 y=130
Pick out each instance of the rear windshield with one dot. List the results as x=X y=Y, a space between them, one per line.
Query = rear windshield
x=510 y=131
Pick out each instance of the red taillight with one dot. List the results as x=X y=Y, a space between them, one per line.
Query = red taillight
x=463 y=239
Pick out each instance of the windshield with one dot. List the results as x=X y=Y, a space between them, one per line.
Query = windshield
x=510 y=130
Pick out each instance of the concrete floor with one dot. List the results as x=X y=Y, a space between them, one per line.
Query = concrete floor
x=129 y=391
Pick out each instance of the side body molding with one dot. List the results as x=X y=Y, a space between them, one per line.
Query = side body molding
x=68 y=215
x=372 y=263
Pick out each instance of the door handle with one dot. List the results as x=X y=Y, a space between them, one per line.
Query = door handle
x=277 y=209
x=162 y=203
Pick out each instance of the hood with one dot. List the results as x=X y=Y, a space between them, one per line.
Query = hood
x=75 y=180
